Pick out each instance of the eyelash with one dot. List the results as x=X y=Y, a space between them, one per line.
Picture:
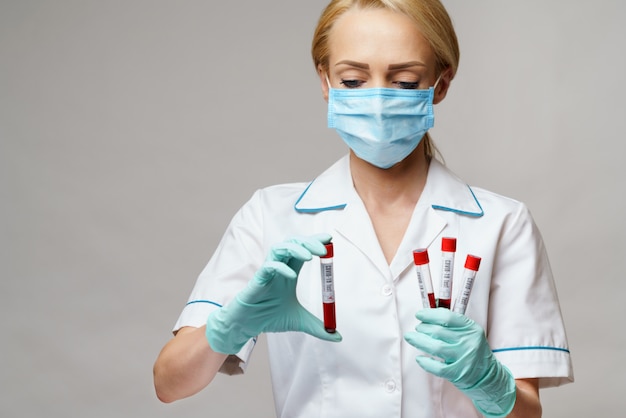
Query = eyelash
x=352 y=84
x=408 y=85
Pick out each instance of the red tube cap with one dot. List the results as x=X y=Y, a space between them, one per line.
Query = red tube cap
x=448 y=244
x=472 y=262
x=420 y=256
x=329 y=251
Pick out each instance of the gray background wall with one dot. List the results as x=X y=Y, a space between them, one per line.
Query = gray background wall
x=131 y=130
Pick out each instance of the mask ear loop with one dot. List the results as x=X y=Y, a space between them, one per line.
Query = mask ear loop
x=436 y=82
x=328 y=81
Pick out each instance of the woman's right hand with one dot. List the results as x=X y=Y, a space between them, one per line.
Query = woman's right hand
x=269 y=302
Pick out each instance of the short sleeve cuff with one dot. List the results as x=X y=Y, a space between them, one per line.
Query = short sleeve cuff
x=195 y=314
x=551 y=365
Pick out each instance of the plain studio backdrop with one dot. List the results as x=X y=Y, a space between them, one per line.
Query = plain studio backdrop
x=132 y=130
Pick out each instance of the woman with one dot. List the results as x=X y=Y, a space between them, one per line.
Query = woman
x=382 y=65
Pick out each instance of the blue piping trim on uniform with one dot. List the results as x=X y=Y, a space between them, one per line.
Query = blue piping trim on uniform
x=475 y=214
x=204 y=301
x=537 y=347
x=314 y=210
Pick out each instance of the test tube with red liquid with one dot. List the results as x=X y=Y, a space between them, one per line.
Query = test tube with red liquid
x=328 y=289
x=448 y=250
x=422 y=267
x=469 y=275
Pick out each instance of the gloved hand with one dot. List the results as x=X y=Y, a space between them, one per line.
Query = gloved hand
x=269 y=302
x=463 y=356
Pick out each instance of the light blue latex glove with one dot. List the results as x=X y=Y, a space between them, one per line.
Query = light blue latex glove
x=269 y=302
x=457 y=350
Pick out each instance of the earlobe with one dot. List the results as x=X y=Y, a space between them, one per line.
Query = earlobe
x=321 y=72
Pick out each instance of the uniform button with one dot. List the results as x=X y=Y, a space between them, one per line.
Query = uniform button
x=386 y=290
x=390 y=385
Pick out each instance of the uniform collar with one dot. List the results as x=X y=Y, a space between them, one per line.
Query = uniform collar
x=443 y=191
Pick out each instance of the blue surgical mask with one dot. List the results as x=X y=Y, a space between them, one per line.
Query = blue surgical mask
x=381 y=125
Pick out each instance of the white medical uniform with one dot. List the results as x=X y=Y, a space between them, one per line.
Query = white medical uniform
x=372 y=372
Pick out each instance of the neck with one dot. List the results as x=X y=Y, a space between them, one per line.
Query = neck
x=401 y=184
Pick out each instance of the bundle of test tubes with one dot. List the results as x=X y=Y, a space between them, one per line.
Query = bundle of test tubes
x=422 y=268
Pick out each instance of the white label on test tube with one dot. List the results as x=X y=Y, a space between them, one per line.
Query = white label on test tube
x=448 y=249
x=469 y=274
x=422 y=267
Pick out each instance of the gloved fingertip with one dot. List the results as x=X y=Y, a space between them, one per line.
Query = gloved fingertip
x=334 y=337
x=315 y=246
x=314 y=243
x=323 y=237
x=412 y=338
x=422 y=361
x=431 y=364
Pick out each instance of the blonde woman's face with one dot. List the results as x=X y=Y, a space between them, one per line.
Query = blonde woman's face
x=379 y=48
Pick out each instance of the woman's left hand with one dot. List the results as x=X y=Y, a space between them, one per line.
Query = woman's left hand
x=456 y=349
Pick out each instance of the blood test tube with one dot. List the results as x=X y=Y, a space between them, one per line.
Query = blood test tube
x=328 y=289
x=469 y=274
x=420 y=257
x=448 y=250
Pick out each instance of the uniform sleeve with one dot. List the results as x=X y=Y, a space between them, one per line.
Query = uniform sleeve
x=525 y=327
x=236 y=259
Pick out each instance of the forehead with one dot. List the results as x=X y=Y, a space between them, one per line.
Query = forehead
x=378 y=35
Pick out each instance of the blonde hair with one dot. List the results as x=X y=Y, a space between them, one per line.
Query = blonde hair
x=429 y=15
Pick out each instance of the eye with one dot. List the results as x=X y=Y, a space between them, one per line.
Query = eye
x=352 y=84
x=409 y=85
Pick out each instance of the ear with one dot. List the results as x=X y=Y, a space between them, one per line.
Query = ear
x=321 y=72
x=444 y=84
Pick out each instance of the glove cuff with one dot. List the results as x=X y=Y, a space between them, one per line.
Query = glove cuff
x=225 y=336
x=494 y=396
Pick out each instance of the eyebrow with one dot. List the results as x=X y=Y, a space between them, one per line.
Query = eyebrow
x=354 y=64
x=404 y=65
x=399 y=66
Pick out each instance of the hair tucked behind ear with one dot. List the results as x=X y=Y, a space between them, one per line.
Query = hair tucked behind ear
x=429 y=15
